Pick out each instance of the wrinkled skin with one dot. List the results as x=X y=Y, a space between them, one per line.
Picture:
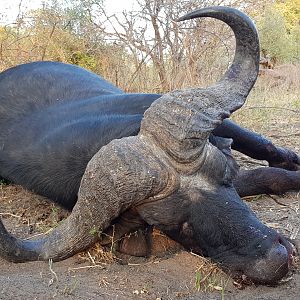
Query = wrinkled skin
x=137 y=160
x=233 y=237
x=213 y=237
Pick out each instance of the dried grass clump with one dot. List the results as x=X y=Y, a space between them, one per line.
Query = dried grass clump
x=98 y=255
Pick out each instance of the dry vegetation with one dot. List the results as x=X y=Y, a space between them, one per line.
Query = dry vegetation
x=273 y=106
x=144 y=50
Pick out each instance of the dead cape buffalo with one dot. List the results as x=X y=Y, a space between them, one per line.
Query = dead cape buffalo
x=138 y=160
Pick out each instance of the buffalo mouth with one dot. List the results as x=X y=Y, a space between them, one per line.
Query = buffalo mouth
x=268 y=268
x=274 y=265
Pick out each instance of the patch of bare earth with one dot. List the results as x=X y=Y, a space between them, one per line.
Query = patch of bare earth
x=98 y=274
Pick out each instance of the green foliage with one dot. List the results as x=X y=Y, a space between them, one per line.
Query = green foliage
x=83 y=60
x=3 y=181
x=279 y=33
x=290 y=9
x=95 y=232
x=295 y=39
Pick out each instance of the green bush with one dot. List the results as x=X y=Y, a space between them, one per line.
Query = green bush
x=279 y=41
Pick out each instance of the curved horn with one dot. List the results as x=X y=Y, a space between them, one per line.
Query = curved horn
x=120 y=175
x=182 y=120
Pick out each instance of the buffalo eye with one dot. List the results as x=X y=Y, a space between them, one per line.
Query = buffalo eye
x=186 y=229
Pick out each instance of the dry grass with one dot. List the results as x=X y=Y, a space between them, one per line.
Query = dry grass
x=98 y=255
x=273 y=101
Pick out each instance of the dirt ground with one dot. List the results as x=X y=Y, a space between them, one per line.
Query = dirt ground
x=176 y=275
x=96 y=274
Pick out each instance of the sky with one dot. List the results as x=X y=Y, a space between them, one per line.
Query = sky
x=9 y=8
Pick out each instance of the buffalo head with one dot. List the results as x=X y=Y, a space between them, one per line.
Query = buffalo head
x=175 y=178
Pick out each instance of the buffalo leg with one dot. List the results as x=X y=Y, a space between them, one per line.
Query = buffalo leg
x=138 y=243
x=266 y=181
x=257 y=146
x=130 y=233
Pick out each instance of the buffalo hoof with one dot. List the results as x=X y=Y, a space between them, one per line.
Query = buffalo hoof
x=286 y=159
x=145 y=243
x=135 y=244
x=163 y=246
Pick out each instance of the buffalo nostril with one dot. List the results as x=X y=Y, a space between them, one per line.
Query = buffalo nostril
x=277 y=262
x=278 y=255
x=271 y=268
x=291 y=247
x=295 y=248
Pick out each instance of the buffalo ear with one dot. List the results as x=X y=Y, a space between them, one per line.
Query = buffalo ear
x=223 y=144
x=232 y=167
